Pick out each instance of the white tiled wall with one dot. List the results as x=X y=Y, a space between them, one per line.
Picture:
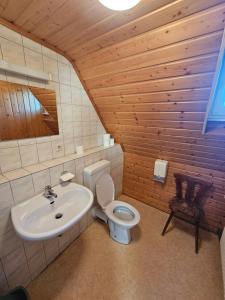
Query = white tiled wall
x=78 y=121
x=21 y=261
x=27 y=166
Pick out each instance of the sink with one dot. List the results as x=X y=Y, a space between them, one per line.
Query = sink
x=37 y=219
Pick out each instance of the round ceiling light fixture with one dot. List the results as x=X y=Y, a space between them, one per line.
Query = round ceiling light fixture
x=119 y=4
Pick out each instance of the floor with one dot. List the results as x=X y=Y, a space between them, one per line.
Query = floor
x=152 y=267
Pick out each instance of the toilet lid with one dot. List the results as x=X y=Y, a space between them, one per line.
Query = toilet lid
x=105 y=190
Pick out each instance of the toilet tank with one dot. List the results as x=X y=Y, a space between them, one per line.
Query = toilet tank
x=93 y=172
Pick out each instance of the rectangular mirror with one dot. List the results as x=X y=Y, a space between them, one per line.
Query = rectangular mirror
x=27 y=112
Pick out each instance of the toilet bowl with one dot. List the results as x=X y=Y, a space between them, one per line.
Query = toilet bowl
x=121 y=215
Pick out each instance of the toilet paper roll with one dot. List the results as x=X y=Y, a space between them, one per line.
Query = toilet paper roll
x=112 y=142
x=106 y=140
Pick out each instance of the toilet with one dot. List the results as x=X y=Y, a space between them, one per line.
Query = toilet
x=119 y=215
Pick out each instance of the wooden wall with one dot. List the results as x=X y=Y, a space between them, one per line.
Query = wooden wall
x=149 y=73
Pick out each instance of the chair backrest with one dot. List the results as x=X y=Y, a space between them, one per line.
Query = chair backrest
x=189 y=189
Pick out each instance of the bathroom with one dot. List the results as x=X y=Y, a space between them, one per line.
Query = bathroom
x=112 y=164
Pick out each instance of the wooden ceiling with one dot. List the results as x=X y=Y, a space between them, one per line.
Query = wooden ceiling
x=148 y=70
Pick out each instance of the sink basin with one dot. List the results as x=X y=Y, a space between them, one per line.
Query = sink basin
x=37 y=219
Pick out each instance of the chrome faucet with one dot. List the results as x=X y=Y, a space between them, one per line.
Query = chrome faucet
x=49 y=193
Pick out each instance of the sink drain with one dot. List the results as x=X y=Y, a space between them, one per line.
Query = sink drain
x=58 y=216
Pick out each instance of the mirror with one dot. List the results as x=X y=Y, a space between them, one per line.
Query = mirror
x=26 y=112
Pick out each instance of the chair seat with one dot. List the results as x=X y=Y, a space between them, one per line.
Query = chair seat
x=181 y=206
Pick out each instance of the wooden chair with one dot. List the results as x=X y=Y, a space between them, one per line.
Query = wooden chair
x=187 y=204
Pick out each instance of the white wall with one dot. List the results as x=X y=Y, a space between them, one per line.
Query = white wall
x=78 y=121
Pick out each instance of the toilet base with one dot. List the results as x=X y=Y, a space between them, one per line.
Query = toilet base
x=118 y=233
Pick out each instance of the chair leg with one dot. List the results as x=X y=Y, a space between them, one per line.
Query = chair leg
x=167 y=223
x=196 y=237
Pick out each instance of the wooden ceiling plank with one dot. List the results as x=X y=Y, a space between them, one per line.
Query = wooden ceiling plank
x=157 y=116
x=189 y=66
x=81 y=16
x=205 y=44
x=78 y=26
x=166 y=14
x=195 y=25
x=157 y=97
x=175 y=83
x=116 y=23
x=11 y=9
x=36 y=12
x=198 y=106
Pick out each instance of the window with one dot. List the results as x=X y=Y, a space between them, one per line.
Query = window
x=215 y=115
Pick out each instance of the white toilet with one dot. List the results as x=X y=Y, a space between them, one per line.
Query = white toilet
x=120 y=216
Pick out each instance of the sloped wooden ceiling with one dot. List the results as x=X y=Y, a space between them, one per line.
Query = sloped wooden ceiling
x=149 y=72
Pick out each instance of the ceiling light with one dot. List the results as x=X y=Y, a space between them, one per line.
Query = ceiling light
x=119 y=4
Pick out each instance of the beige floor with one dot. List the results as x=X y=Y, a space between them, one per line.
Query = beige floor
x=152 y=267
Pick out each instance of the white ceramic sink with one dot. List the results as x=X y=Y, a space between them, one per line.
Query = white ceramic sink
x=35 y=219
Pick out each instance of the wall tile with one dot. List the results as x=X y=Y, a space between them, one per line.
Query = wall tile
x=58 y=148
x=29 y=155
x=9 y=241
x=64 y=73
x=6 y=200
x=76 y=96
x=22 y=188
x=33 y=59
x=65 y=94
x=10 y=34
x=49 y=53
x=69 y=146
x=31 y=45
x=10 y=159
x=40 y=180
x=5 y=221
x=67 y=113
x=12 y=52
x=44 y=151
x=70 y=167
x=55 y=173
x=3 y=282
x=21 y=276
x=74 y=79
x=51 y=66
x=13 y=261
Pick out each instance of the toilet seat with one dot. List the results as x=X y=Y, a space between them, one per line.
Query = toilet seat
x=110 y=209
x=119 y=212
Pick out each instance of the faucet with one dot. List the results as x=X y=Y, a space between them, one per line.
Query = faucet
x=49 y=193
